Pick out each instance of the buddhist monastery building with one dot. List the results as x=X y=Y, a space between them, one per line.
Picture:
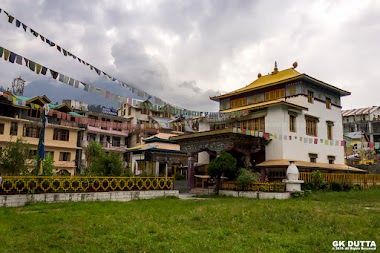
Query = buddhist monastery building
x=280 y=117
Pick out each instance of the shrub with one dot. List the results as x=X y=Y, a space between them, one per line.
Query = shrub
x=336 y=186
x=317 y=181
x=306 y=186
x=327 y=187
x=246 y=177
x=347 y=186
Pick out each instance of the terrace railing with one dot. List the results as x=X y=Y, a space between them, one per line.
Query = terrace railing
x=365 y=180
x=55 y=184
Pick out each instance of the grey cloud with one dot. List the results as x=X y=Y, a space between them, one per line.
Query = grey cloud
x=185 y=51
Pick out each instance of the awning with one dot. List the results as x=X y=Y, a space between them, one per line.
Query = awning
x=327 y=166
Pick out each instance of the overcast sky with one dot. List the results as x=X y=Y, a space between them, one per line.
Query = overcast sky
x=185 y=51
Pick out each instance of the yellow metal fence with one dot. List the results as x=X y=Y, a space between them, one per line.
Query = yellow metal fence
x=365 y=180
x=43 y=184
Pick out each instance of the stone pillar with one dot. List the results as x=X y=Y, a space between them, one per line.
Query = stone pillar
x=190 y=171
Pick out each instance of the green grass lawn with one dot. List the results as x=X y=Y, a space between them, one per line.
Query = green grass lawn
x=215 y=224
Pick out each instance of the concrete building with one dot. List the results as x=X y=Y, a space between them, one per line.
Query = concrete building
x=106 y=128
x=151 y=119
x=365 y=120
x=20 y=117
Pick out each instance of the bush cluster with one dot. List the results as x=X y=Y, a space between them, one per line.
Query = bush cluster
x=318 y=184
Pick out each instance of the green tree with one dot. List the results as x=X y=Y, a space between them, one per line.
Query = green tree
x=93 y=150
x=48 y=165
x=13 y=158
x=225 y=163
x=110 y=164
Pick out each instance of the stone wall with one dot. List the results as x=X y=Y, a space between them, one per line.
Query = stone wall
x=256 y=195
x=122 y=196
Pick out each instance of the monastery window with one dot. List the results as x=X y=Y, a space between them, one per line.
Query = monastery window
x=311 y=126
x=34 y=113
x=275 y=94
x=14 y=128
x=292 y=123
x=257 y=124
x=328 y=103
x=331 y=159
x=1 y=128
x=129 y=111
x=310 y=96
x=330 y=125
x=313 y=157
x=31 y=131
x=61 y=135
x=238 y=102
x=64 y=156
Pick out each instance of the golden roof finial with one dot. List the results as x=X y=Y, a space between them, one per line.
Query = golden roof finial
x=275 y=71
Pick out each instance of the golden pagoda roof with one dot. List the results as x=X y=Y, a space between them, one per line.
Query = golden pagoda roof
x=274 y=78
x=271 y=78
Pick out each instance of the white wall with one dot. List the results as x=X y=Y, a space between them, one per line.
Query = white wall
x=277 y=121
x=203 y=157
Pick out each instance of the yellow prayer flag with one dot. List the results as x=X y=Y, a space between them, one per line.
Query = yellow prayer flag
x=38 y=68
x=6 y=54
